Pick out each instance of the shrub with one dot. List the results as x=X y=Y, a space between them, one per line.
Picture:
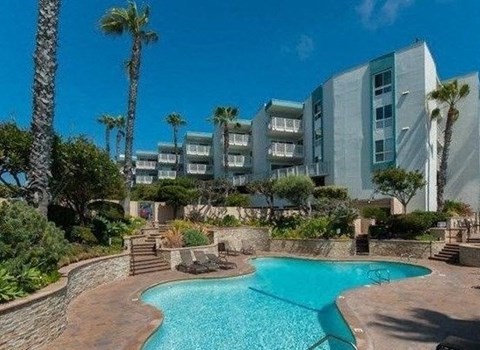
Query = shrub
x=99 y=227
x=229 y=221
x=83 y=235
x=173 y=238
x=285 y=226
x=331 y=192
x=379 y=214
x=296 y=189
x=108 y=210
x=193 y=238
x=27 y=238
x=31 y=279
x=454 y=208
x=313 y=228
x=237 y=200
x=63 y=217
x=410 y=225
x=9 y=288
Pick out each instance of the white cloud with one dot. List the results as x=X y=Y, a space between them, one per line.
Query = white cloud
x=377 y=13
x=305 y=47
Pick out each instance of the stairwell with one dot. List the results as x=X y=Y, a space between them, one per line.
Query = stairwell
x=144 y=257
x=362 y=246
x=450 y=254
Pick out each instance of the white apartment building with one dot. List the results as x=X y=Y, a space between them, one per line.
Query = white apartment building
x=366 y=118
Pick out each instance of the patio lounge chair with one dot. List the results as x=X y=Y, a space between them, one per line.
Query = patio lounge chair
x=248 y=248
x=187 y=264
x=203 y=260
x=456 y=343
x=221 y=262
x=230 y=250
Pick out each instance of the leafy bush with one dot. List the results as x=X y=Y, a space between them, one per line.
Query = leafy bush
x=77 y=252
x=379 y=214
x=30 y=279
x=331 y=192
x=9 y=288
x=108 y=210
x=341 y=214
x=454 y=208
x=27 y=238
x=229 y=221
x=313 y=228
x=285 y=226
x=173 y=238
x=193 y=238
x=63 y=217
x=408 y=226
x=296 y=189
x=83 y=235
x=237 y=200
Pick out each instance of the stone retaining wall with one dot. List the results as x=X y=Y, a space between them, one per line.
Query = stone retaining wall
x=259 y=237
x=397 y=247
x=173 y=254
x=33 y=321
x=470 y=255
x=332 y=248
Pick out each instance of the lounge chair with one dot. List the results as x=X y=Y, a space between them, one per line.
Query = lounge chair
x=203 y=260
x=248 y=248
x=230 y=250
x=456 y=343
x=187 y=264
x=221 y=262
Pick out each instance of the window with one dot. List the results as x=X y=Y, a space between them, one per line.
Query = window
x=383 y=82
x=383 y=117
x=317 y=110
x=384 y=150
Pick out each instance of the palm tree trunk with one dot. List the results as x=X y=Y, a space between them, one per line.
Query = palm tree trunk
x=117 y=144
x=107 y=140
x=132 y=104
x=45 y=60
x=225 y=149
x=175 y=146
x=442 y=174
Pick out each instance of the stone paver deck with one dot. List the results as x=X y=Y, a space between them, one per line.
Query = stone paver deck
x=410 y=314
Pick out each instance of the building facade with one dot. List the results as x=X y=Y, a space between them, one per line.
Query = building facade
x=370 y=117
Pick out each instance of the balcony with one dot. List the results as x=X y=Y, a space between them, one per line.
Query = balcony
x=144 y=179
x=236 y=161
x=285 y=125
x=199 y=150
x=240 y=180
x=312 y=170
x=167 y=158
x=146 y=164
x=285 y=150
x=199 y=169
x=239 y=140
x=167 y=174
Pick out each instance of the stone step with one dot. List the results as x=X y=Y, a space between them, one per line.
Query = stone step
x=152 y=254
x=144 y=264
x=149 y=270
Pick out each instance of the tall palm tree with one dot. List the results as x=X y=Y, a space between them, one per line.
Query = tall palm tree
x=120 y=125
x=175 y=120
x=447 y=95
x=109 y=122
x=118 y=21
x=45 y=65
x=223 y=117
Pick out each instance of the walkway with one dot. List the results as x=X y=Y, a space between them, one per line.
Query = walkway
x=410 y=314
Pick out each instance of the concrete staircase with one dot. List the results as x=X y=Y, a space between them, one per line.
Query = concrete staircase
x=362 y=246
x=473 y=240
x=449 y=253
x=144 y=259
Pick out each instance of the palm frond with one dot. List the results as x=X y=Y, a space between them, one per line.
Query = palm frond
x=149 y=37
x=435 y=113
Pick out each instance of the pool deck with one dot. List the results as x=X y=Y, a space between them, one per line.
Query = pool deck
x=415 y=313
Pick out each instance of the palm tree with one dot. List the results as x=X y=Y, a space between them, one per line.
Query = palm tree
x=45 y=61
x=109 y=122
x=223 y=117
x=120 y=125
x=447 y=95
x=118 y=21
x=175 y=120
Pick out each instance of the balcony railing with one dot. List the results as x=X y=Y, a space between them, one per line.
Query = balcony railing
x=167 y=174
x=144 y=179
x=199 y=150
x=146 y=164
x=287 y=150
x=239 y=140
x=239 y=161
x=240 y=180
x=168 y=158
x=285 y=124
x=201 y=169
x=316 y=169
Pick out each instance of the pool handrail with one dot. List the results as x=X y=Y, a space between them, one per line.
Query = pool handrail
x=378 y=274
x=328 y=336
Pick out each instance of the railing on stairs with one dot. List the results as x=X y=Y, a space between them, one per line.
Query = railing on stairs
x=331 y=336
x=379 y=276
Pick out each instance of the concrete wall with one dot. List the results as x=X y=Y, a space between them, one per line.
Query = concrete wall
x=258 y=237
x=392 y=247
x=173 y=254
x=330 y=248
x=33 y=321
x=261 y=166
x=470 y=255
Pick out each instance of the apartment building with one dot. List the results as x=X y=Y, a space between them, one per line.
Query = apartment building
x=369 y=117
x=167 y=160
x=146 y=167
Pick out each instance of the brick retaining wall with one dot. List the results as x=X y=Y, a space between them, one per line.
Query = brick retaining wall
x=332 y=248
x=397 y=247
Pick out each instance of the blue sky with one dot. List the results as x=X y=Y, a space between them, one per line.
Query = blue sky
x=217 y=52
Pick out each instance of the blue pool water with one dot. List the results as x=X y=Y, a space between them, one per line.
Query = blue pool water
x=285 y=304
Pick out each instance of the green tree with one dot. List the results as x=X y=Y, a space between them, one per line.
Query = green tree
x=296 y=189
x=45 y=67
x=176 y=121
x=223 y=117
x=109 y=122
x=266 y=188
x=82 y=172
x=118 y=21
x=398 y=183
x=177 y=193
x=448 y=95
x=120 y=126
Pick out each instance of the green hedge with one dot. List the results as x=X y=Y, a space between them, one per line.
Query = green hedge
x=194 y=238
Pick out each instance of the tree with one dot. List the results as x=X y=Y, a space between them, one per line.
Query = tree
x=120 y=125
x=175 y=120
x=118 y=21
x=223 y=117
x=448 y=95
x=296 y=189
x=109 y=122
x=45 y=67
x=177 y=193
x=398 y=183
x=265 y=188
x=15 y=145
x=81 y=173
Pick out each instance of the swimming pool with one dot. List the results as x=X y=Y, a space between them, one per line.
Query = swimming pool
x=286 y=304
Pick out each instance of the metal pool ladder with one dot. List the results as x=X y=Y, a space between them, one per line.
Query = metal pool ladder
x=379 y=276
x=328 y=336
